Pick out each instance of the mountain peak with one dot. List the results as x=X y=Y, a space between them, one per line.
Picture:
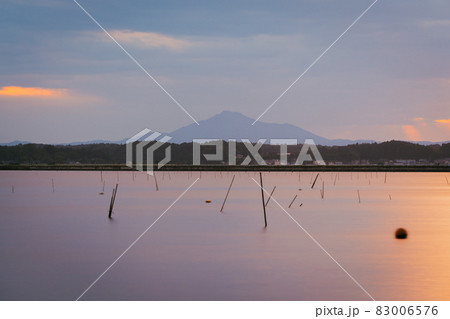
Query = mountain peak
x=227 y=116
x=234 y=125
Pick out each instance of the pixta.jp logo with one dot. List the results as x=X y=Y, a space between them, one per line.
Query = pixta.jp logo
x=142 y=143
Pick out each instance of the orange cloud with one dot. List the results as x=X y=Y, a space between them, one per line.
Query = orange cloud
x=411 y=133
x=443 y=121
x=18 y=91
x=418 y=119
x=150 y=39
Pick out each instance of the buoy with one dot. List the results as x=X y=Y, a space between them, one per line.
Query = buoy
x=401 y=233
x=101 y=193
x=207 y=201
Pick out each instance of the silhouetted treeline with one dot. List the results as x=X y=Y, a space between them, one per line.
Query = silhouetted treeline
x=376 y=153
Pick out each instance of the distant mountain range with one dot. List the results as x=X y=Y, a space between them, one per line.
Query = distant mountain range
x=234 y=125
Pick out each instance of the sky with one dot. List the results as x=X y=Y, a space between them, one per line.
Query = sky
x=63 y=79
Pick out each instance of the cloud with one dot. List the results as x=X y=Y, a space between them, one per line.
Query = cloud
x=222 y=44
x=40 y=3
x=418 y=119
x=149 y=40
x=443 y=121
x=435 y=23
x=411 y=133
x=18 y=91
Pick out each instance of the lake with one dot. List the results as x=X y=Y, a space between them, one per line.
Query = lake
x=54 y=243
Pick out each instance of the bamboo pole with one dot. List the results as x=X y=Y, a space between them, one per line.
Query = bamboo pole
x=292 y=201
x=270 y=196
x=226 y=196
x=262 y=196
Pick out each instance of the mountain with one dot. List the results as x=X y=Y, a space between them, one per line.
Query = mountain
x=17 y=142
x=14 y=143
x=95 y=142
x=234 y=125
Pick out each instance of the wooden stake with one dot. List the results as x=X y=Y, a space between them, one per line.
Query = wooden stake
x=335 y=179
x=113 y=199
x=226 y=196
x=292 y=201
x=447 y=180
x=322 y=191
x=103 y=190
x=111 y=204
x=315 y=180
x=262 y=196
x=156 y=182
x=270 y=196
x=385 y=177
x=53 y=185
x=12 y=189
x=359 y=197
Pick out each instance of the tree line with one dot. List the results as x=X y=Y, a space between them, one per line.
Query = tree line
x=374 y=153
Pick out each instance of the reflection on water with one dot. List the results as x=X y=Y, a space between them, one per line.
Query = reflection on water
x=53 y=245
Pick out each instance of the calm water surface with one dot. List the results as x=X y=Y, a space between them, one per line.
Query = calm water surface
x=53 y=245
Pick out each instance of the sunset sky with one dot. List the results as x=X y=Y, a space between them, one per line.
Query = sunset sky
x=63 y=79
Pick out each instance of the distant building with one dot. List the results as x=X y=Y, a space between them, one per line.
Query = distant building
x=405 y=162
x=273 y=162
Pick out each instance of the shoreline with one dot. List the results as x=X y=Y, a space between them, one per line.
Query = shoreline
x=228 y=168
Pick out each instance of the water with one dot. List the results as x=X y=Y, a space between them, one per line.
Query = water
x=53 y=245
